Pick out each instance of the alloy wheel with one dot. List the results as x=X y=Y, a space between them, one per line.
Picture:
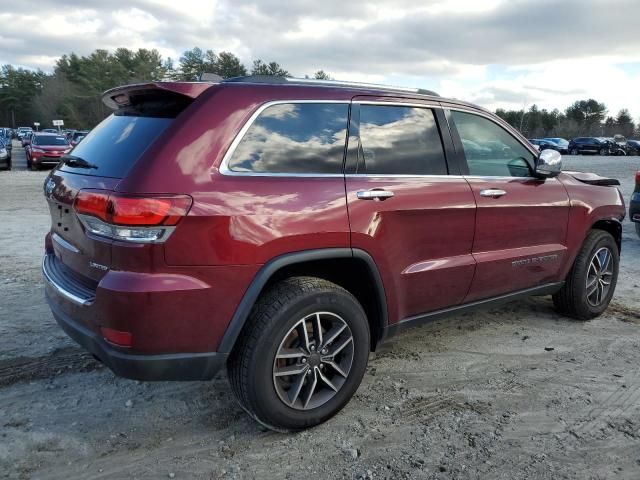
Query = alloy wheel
x=313 y=361
x=599 y=276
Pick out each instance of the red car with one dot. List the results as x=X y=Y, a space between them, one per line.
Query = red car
x=46 y=149
x=285 y=228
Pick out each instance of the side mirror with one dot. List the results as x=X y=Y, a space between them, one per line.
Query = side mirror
x=548 y=164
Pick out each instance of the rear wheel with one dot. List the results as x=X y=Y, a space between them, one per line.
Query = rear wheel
x=574 y=151
x=602 y=151
x=592 y=280
x=302 y=354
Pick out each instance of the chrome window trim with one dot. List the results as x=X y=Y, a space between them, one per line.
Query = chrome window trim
x=381 y=176
x=226 y=171
x=224 y=165
x=396 y=103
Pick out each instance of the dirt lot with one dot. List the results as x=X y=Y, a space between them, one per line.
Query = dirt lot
x=517 y=392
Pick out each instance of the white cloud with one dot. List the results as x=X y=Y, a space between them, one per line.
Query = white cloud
x=497 y=52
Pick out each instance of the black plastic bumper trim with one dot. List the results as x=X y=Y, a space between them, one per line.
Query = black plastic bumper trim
x=175 y=366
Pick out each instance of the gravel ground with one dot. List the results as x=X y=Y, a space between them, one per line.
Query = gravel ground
x=516 y=392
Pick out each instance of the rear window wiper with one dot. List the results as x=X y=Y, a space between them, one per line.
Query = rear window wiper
x=74 y=161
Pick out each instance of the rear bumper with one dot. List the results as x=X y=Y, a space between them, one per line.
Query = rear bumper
x=179 y=366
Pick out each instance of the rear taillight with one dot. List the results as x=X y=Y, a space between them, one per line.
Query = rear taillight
x=134 y=219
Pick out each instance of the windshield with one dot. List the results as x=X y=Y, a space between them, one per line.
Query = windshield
x=49 y=140
x=117 y=143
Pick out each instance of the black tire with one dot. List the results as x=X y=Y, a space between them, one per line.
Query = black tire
x=574 y=151
x=638 y=229
x=603 y=152
x=572 y=299
x=252 y=364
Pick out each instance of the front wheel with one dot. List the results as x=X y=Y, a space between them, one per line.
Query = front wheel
x=302 y=354
x=602 y=151
x=592 y=280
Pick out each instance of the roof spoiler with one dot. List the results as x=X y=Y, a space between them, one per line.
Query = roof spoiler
x=120 y=97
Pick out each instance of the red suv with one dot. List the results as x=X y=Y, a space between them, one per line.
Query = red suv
x=285 y=228
x=46 y=149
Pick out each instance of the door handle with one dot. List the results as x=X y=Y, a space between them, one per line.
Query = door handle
x=374 y=194
x=492 y=192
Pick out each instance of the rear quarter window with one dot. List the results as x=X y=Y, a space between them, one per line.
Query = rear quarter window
x=294 y=138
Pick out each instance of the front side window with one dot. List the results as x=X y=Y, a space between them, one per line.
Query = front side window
x=397 y=140
x=490 y=150
x=295 y=138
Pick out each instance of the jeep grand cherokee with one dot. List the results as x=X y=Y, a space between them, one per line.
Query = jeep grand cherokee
x=284 y=228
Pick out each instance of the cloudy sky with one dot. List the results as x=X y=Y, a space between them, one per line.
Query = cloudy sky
x=498 y=53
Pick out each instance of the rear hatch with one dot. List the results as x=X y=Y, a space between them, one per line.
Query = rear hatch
x=142 y=114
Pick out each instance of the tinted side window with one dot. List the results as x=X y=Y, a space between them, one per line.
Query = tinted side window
x=399 y=141
x=294 y=138
x=491 y=150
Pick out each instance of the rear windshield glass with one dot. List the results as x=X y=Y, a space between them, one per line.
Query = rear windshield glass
x=116 y=144
x=49 y=140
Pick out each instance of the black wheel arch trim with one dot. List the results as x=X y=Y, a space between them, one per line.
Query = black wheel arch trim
x=617 y=223
x=274 y=265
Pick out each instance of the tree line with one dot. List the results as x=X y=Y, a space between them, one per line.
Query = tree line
x=73 y=90
x=583 y=118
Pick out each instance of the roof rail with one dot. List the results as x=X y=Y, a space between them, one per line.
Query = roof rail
x=278 y=80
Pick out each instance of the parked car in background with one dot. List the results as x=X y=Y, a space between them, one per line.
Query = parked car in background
x=50 y=130
x=562 y=144
x=5 y=156
x=76 y=136
x=634 y=205
x=22 y=131
x=26 y=138
x=545 y=144
x=6 y=134
x=320 y=222
x=588 y=145
x=633 y=147
x=46 y=149
x=615 y=146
